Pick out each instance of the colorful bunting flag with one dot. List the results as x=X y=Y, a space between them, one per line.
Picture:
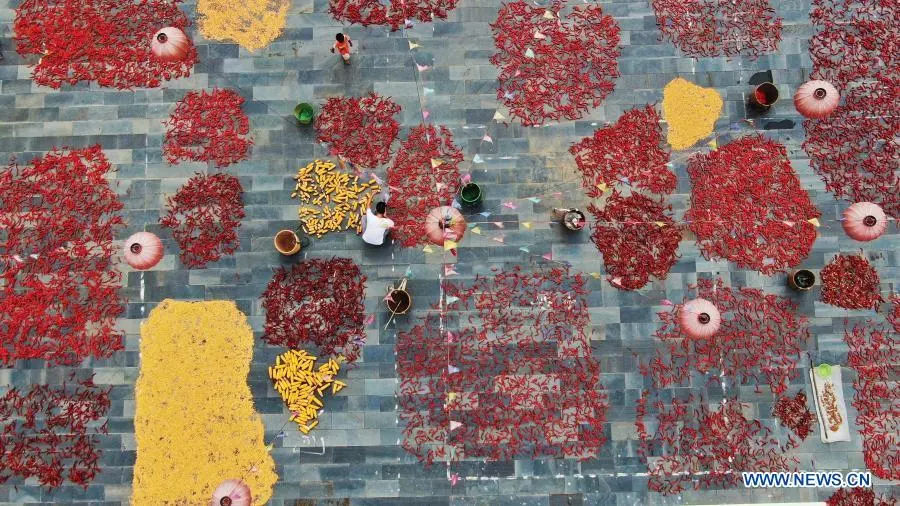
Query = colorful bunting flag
x=509 y=205
x=498 y=116
x=534 y=200
x=487 y=138
x=476 y=230
x=529 y=53
x=477 y=159
x=413 y=45
x=526 y=224
x=449 y=245
x=815 y=222
x=427 y=249
x=436 y=162
x=499 y=224
x=498 y=238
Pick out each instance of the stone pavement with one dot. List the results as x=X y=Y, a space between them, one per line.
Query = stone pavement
x=361 y=463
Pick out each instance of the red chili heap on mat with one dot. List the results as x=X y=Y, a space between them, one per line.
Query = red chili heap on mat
x=552 y=69
x=763 y=223
x=760 y=335
x=518 y=380
x=208 y=127
x=107 y=41
x=395 y=14
x=58 y=284
x=45 y=433
x=317 y=302
x=204 y=216
x=426 y=175
x=875 y=355
x=719 y=27
x=637 y=237
x=359 y=129
x=694 y=444
x=631 y=149
x=851 y=282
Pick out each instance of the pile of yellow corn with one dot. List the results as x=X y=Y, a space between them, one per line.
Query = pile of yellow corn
x=331 y=200
x=302 y=387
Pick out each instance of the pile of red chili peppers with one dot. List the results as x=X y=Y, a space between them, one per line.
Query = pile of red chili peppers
x=859 y=497
x=59 y=292
x=424 y=175
x=45 y=433
x=719 y=27
x=635 y=233
x=637 y=237
x=107 y=41
x=208 y=127
x=854 y=149
x=359 y=129
x=694 y=445
x=875 y=356
x=204 y=216
x=630 y=150
x=851 y=282
x=393 y=13
x=793 y=414
x=552 y=66
x=316 y=302
x=763 y=224
x=512 y=376
x=760 y=334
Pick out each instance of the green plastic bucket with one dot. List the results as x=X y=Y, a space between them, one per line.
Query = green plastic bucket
x=470 y=194
x=304 y=113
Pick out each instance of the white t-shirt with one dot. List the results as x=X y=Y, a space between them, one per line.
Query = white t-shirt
x=376 y=228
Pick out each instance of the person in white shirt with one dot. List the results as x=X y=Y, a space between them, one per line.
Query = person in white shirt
x=376 y=226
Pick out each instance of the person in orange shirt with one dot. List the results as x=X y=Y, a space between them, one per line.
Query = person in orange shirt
x=343 y=46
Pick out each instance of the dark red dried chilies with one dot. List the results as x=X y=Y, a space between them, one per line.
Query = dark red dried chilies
x=204 y=216
x=317 y=302
x=851 y=282
x=514 y=378
x=49 y=433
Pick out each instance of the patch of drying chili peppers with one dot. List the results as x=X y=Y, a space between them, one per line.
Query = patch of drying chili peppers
x=58 y=284
x=855 y=149
x=637 y=237
x=359 y=129
x=106 y=41
x=762 y=224
x=515 y=377
x=854 y=41
x=424 y=175
x=760 y=335
x=317 y=302
x=793 y=414
x=851 y=282
x=204 y=216
x=48 y=433
x=858 y=496
x=631 y=149
x=208 y=127
x=696 y=446
x=391 y=13
x=552 y=66
x=719 y=27
x=875 y=356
